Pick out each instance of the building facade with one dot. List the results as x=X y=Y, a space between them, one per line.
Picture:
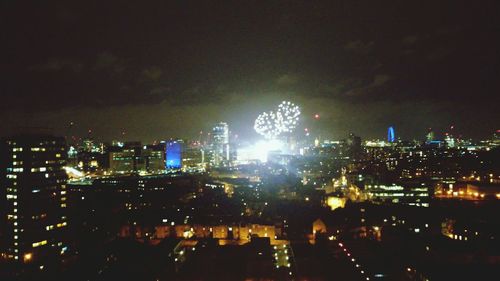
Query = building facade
x=220 y=144
x=33 y=183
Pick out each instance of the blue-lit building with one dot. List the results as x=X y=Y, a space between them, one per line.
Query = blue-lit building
x=174 y=155
x=391 y=136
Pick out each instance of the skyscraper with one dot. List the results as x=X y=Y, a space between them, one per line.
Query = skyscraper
x=33 y=187
x=220 y=143
x=391 y=137
x=354 y=146
x=174 y=155
x=430 y=136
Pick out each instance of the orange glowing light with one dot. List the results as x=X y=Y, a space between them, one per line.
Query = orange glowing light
x=28 y=257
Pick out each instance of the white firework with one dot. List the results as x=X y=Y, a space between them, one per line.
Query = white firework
x=288 y=114
x=267 y=124
x=283 y=120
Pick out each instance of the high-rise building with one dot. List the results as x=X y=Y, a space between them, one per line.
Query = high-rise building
x=123 y=160
x=430 y=136
x=154 y=157
x=220 y=143
x=193 y=157
x=174 y=155
x=495 y=141
x=391 y=136
x=33 y=187
x=354 y=146
x=136 y=158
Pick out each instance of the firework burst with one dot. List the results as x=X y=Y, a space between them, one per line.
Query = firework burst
x=283 y=120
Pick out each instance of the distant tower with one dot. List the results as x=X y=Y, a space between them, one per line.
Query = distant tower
x=354 y=146
x=220 y=142
x=390 y=134
x=430 y=135
x=173 y=155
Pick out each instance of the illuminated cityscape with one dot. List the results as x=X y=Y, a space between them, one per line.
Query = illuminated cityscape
x=250 y=141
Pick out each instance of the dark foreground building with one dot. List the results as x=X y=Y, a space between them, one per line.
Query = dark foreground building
x=33 y=199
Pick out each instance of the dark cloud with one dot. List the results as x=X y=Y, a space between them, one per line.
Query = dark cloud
x=359 y=46
x=410 y=39
x=58 y=64
x=152 y=73
x=109 y=62
x=206 y=62
x=287 y=79
x=377 y=81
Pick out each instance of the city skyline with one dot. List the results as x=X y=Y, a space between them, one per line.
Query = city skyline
x=246 y=132
x=285 y=140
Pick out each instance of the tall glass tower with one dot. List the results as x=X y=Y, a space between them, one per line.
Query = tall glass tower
x=220 y=143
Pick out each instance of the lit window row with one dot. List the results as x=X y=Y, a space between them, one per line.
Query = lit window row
x=61 y=224
x=41 y=169
x=38 y=244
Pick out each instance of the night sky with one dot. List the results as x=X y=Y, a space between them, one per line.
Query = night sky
x=158 y=69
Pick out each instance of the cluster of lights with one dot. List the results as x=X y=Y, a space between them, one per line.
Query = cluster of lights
x=282 y=259
x=353 y=260
x=283 y=120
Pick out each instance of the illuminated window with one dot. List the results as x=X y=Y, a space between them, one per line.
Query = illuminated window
x=62 y=224
x=38 y=244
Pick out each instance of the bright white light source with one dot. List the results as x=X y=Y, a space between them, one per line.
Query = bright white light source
x=259 y=151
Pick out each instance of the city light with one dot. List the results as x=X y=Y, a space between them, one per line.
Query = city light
x=27 y=257
x=249 y=141
x=259 y=151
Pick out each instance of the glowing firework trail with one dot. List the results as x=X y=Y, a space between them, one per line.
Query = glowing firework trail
x=283 y=120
